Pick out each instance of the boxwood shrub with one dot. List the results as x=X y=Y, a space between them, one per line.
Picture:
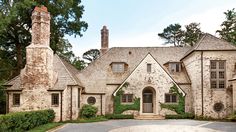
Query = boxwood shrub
x=119 y=116
x=88 y=111
x=22 y=121
x=180 y=116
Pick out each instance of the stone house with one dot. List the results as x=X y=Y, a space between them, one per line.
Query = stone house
x=204 y=75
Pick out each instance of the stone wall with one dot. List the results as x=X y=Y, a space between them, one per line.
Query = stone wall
x=211 y=96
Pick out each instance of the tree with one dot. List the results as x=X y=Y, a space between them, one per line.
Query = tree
x=79 y=64
x=192 y=33
x=16 y=23
x=228 y=27
x=2 y=98
x=91 y=55
x=173 y=34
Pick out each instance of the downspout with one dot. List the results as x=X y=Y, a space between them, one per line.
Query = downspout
x=101 y=104
x=61 y=108
x=7 y=105
x=202 y=82
x=70 y=102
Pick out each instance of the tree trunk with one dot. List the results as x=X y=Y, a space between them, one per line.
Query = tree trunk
x=19 y=57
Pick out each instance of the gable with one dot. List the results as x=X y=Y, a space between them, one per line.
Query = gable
x=140 y=74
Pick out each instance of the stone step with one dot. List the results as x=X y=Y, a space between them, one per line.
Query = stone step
x=149 y=117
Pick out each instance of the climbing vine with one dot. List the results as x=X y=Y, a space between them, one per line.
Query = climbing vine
x=179 y=107
x=118 y=107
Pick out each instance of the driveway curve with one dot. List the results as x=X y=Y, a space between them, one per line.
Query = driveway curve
x=150 y=126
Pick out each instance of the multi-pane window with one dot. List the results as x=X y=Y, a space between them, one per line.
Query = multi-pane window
x=55 y=99
x=174 y=67
x=149 y=68
x=118 y=67
x=170 y=98
x=217 y=74
x=16 y=99
x=127 y=98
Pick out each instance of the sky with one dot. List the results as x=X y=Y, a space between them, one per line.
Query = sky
x=136 y=23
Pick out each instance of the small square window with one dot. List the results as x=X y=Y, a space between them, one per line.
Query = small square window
x=213 y=84
x=174 y=67
x=127 y=98
x=149 y=68
x=170 y=98
x=213 y=64
x=16 y=99
x=55 y=99
x=221 y=84
x=118 y=67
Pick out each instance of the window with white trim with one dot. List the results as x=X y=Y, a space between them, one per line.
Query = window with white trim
x=127 y=98
x=118 y=67
x=217 y=74
x=174 y=67
x=170 y=98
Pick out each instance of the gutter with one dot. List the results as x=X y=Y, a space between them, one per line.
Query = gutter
x=61 y=107
x=202 y=82
x=70 y=102
x=101 y=103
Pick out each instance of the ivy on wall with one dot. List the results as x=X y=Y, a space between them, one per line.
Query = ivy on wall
x=119 y=108
x=179 y=107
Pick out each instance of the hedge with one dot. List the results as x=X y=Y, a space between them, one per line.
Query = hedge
x=22 y=121
x=119 y=116
x=180 y=116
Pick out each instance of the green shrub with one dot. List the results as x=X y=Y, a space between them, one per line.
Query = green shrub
x=21 y=121
x=119 y=116
x=88 y=111
x=180 y=116
x=232 y=117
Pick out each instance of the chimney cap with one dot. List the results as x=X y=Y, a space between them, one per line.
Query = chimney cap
x=104 y=27
x=41 y=9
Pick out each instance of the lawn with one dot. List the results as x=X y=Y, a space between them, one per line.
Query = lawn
x=45 y=127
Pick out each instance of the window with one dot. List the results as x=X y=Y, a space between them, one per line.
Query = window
x=118 y=67
x=91 y=100
x=170 y=98
x=217 y=74
x=127 y=98
x=174 y=67
x=16 y=99
x=55 y=99
x=149 y=68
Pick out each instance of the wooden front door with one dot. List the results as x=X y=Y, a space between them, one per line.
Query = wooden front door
x=147 y=103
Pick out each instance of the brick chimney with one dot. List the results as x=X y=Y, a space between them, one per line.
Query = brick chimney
x=104 y=40
x=39 y=56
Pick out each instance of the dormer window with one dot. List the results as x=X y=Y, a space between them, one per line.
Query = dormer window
x=174 y=67
x=118 y=67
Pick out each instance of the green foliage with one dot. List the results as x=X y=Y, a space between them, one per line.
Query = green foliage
x=232 y=117
x=180 y=116
x=192 y=33
x=78 y=63
x=16 y=23
x=88 y=111
x=22 y=121
x=228 y=27
x=119 y=108
x=87 y=120
x=180 y=106
x=46 y=127
x=173 y=34
x=119 y=116
x=91 y=55
x=2 y=98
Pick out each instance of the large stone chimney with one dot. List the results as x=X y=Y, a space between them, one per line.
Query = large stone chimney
x=38 y=71
x=104 y=40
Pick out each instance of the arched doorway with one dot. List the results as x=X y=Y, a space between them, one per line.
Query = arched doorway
x=148 y=97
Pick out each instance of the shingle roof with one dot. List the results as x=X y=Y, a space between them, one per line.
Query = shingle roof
x=65 y=75
x=210 y=43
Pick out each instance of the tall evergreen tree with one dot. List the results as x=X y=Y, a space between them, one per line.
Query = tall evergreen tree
x=173 y=34
x=228 y=27
x=192 y=33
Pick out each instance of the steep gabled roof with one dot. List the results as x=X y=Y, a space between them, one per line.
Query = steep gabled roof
x=158 y=64
x=210 y=43
x=64 y=72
